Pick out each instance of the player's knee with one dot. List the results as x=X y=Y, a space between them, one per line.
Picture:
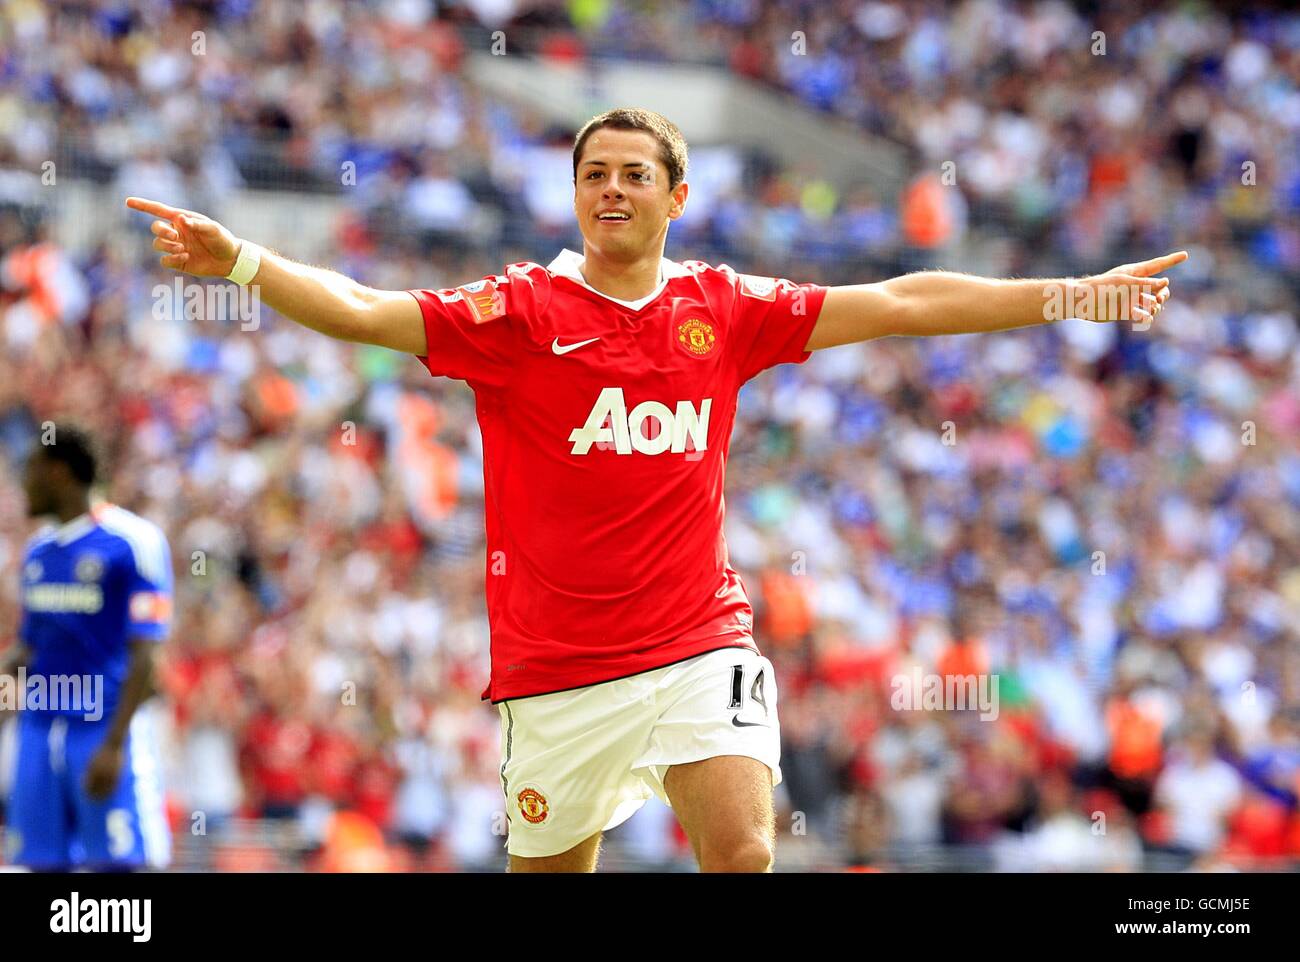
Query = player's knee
x=749 y=853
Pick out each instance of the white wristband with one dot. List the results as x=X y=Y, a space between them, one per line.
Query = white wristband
x=246 y=264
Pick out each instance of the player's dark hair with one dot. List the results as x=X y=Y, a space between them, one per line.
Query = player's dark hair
x=672 y=145
x=73 y=447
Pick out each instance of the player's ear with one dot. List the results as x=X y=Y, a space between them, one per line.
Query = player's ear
x=679 y=201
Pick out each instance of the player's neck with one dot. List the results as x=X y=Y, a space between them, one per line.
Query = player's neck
x=73 y=507
x=627 y=281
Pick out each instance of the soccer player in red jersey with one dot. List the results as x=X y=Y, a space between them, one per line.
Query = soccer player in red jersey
x=623 y=658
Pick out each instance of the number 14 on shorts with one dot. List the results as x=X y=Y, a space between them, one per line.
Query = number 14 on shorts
x=756 y=694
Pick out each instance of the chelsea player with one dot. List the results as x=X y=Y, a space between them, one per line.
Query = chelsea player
x=96 y=602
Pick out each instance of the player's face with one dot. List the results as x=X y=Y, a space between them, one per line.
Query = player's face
x=38 y=486
x=620 y=171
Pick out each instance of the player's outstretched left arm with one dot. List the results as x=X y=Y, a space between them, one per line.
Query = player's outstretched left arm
x=106 y=767
x=938 y=302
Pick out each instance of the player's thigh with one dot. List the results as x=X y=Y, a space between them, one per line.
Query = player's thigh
x=718 y=740
x=724 y=805
x=567 y=768
x=128 y=828
x=39 y=812
x=581 y=858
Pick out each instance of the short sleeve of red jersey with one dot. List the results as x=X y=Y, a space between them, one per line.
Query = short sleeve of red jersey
x=472 y=332
x=772 y=320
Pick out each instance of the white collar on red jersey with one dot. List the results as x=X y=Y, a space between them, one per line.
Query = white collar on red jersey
x=569 y=263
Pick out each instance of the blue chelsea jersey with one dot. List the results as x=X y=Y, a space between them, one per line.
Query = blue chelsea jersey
x=89 y=587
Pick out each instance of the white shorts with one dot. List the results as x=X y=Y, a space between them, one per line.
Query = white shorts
x=578 y=762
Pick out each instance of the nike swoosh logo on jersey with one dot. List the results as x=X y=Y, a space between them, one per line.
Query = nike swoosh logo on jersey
x=735 y=720
x=555 y=345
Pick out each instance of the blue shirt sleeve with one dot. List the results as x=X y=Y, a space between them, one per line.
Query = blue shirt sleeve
x=149 y=588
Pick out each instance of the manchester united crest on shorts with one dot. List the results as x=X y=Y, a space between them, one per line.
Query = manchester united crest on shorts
x=533 y=805
x=696 y=336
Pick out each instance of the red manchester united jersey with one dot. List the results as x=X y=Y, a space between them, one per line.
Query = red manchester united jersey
x=605 y=432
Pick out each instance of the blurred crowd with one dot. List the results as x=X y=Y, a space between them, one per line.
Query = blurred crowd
x=1105 y=521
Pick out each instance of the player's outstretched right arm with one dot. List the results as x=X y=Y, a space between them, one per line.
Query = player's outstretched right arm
x=314 y=297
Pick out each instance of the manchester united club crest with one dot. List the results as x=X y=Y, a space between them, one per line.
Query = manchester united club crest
x=696 y=336
x=533 y=805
